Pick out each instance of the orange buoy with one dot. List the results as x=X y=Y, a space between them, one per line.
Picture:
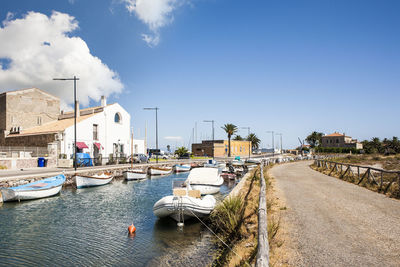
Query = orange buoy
x=131 y=229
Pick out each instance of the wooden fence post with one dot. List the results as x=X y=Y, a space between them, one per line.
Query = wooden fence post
x=263 y=246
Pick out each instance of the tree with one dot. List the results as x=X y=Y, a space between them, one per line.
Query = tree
x=180 y=151
x=314 y=139
x=230 y=129
x=238 y=138
x=169 y=148
x=255 y=141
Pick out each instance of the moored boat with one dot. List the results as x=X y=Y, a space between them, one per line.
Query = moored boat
x=160 y=170
x=134 y=174
x=206 y=180
x=182 y=167
x=93 y=180
x=40 y=189
x=183 y=204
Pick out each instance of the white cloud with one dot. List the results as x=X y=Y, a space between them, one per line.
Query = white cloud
x=155 y=14
x=39 y=48
x=173 y=138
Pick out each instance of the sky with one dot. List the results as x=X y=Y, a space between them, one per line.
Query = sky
x=288 y=66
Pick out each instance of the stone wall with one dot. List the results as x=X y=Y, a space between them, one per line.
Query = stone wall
x=18 y=163
x=30 y=140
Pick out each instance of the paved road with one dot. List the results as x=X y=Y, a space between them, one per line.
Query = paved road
x=335 y=223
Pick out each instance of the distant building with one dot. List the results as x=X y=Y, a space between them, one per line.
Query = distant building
x=219 y=148
x=31 y=117
x=340 y=140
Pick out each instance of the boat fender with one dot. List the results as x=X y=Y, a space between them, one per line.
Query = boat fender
x=131 y=229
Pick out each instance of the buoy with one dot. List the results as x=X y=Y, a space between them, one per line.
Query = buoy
x=131 y=229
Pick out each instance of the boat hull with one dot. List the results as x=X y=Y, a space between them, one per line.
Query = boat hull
x=182 y=168
x=133 y=175
x=90 y=181
x=175 y=207
x=159 y=171
x=32 y=194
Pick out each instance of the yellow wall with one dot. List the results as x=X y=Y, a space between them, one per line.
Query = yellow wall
x=238 y=148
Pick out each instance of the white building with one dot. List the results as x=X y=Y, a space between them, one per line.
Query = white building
x=103 y=130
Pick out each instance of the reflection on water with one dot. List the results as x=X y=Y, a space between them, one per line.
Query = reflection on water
x=89 y=227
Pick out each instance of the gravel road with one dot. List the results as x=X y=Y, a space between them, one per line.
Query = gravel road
x=335 y=223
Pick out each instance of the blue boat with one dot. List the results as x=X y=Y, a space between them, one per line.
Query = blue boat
x=40 y=189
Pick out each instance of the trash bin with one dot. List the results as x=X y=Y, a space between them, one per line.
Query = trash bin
x=41 y=162
x=45 y=162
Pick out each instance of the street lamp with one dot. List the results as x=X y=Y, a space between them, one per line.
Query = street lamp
x=248 y=134
x=281 y=141
x=212 y=123
x=75 y=111
x=273 y=145
x=156 y=109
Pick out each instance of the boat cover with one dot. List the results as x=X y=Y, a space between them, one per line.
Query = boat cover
x=203 y=176
x=41 y=184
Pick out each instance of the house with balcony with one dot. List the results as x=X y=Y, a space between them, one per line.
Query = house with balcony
x=340 y=140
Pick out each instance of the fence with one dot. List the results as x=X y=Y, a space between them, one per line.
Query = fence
x=380 y=179
x=23 y=152
x=263 y=245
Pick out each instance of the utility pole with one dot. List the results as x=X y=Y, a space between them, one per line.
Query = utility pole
x=156 y=109
x=273 y=145
x=75 y=111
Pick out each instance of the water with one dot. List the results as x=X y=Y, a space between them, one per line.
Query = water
x=89 y=227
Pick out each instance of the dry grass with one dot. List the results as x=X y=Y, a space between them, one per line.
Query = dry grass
x=241 y=233
x=387 y=162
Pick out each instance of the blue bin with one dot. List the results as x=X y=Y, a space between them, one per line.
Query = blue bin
x=41 y=162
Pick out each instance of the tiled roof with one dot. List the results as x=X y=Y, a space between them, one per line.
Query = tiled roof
x=52 y=127
x=333 y=135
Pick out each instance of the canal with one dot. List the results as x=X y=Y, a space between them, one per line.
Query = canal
x=89 y=227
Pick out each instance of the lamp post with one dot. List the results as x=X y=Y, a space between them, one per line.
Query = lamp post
x=248 y=134
x=273 y=145
x=212 y=125
x=75 y=111
x=281 y=141
x=156 y=109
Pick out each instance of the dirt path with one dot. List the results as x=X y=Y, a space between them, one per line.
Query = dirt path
x=335 y=223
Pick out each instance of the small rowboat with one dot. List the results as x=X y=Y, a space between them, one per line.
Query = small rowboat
x=135 y=174
x=40 y=189
x=160 y=170
x=182 y=167
x=94 y=180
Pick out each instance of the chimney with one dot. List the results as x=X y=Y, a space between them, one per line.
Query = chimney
x=78 y=113
x=103 y=101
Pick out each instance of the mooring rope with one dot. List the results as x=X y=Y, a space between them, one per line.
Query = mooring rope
x=217 y=236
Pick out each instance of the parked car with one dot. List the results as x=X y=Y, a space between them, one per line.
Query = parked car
x=184 y=156
x=139 y=158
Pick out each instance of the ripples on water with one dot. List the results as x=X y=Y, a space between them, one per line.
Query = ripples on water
x=89 y=227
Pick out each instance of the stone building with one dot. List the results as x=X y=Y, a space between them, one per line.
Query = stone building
x=24 y=109
x=340 y=140
x=219 y=148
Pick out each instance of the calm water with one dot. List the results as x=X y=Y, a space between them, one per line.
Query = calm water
x=89 y=227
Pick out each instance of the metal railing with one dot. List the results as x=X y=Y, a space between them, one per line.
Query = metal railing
x=23 y=152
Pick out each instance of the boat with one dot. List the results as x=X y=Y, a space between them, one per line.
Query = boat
x=94 y=180
x=182 y=167
x=184 y=204
x=160 y=170
x=211 y=164
x=134 y=174
x=207 y=180
x=228 y=175
x=40 y=189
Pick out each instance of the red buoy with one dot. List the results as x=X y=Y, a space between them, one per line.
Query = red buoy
x=131 y=229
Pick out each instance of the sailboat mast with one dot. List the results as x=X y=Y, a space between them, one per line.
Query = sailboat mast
x=132 y=148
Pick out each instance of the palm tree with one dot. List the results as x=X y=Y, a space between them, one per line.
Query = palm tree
x=230 y=129
x=238 y=138
x=255 y=141
x=180 y=151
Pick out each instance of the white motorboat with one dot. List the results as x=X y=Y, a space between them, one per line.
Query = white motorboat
x=94 y=180
x=134 y=174
x=206 y=180
x=184 y=204
x=211 y=164
x=160 y=170
x=182 y=167
x=40 y=189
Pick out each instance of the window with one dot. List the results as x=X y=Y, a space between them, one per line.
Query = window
x=337 y=141
x=117 y=118
x=95 y=132
x=39 y=120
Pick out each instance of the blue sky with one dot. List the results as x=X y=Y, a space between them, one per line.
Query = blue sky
x=288 y=66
